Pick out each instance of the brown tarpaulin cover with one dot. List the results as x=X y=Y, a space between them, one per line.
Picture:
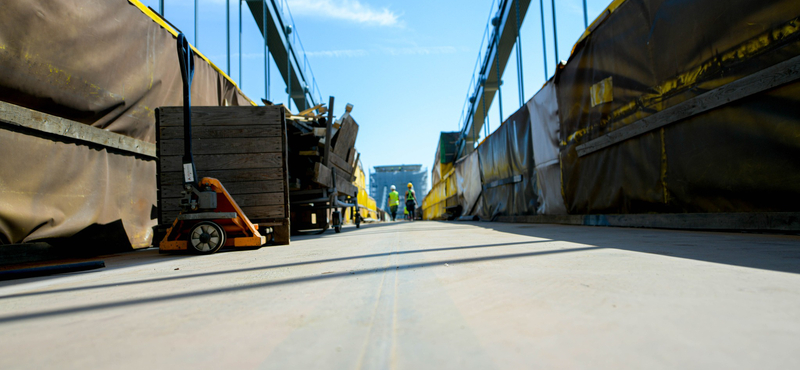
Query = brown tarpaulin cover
x=741 y=157
x=107 y=64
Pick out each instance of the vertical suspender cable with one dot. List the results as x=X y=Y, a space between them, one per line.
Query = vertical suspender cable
x=544 y=41
x=520 y=80
x=266 y=49
x=555 y=32
x=585 y=16
x=228 y=33
x=289 y=67
x=241 y=83
x=499 y=79
x=196 y=30
x=485 y=113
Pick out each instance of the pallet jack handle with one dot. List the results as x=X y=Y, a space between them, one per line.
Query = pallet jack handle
x=185 y=56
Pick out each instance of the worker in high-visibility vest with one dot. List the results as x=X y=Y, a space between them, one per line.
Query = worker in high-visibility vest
x=411 y=201
x=394 y=201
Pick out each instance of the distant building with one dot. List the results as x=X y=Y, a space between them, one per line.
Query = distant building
x=381 y=178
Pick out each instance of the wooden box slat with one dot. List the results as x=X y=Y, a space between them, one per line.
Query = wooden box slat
x=227 y=176
x=176 y=132
x=223 y=116
x=215 y=145
x=249 y=161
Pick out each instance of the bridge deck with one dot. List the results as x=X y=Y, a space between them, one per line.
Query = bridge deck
x=424 y=295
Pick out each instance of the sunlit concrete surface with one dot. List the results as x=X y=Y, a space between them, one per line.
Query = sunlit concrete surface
x=424 y=295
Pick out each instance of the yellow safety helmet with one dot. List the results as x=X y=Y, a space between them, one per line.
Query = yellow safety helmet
x=409 y=185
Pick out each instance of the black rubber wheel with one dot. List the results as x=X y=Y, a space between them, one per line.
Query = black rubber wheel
x=338 y=229
x=358 y=221
x=206 y=238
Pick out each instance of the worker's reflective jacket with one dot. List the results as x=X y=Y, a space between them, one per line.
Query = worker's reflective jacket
x=410 y=195
x=394 y=199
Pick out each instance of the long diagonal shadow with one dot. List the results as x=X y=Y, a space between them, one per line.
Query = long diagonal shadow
x=208 y=292
x=399 y=231
x=261 y=268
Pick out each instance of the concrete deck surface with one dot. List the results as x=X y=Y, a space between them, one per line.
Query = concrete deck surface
x=424 y=295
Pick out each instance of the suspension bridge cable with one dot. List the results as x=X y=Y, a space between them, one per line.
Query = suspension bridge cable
x=544 y=40
x=497 y=57
x=266 y=49
x=228 y=34
x=520 y=80
x=555 y=33
x=196 y=29
x=585 y=16
x=241 y=83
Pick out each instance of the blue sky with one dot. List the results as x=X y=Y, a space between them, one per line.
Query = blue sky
x=404 y=64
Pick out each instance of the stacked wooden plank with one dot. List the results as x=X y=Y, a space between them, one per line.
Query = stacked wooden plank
x=243 y=147
x=310 y=168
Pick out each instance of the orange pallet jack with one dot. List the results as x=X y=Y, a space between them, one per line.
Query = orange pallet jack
x=210 y=219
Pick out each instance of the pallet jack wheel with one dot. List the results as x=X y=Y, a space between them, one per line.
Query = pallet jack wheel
x=206 y=237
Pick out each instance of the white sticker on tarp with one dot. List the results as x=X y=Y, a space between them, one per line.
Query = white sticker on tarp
x=188 y=174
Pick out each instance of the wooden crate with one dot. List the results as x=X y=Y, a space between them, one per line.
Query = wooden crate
x=243 y=147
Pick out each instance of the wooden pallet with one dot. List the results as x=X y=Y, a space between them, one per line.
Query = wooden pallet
x=243 y=147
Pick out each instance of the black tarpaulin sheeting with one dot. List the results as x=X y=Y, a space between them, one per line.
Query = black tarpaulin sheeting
x=507 y=169
x=650 y=55
x=102 y=63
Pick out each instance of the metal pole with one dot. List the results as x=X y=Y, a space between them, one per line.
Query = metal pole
x=499 y=76
x=485 y=113
x=289 y=67
x=474 y=140
x=585 y=15
x=544 y=41
x=555 y=32
x=520 y=80
x=326 y=160
x=241 y=83
x=196 y=30
x=266 y=50
x=228 y=32
x=161 y=7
